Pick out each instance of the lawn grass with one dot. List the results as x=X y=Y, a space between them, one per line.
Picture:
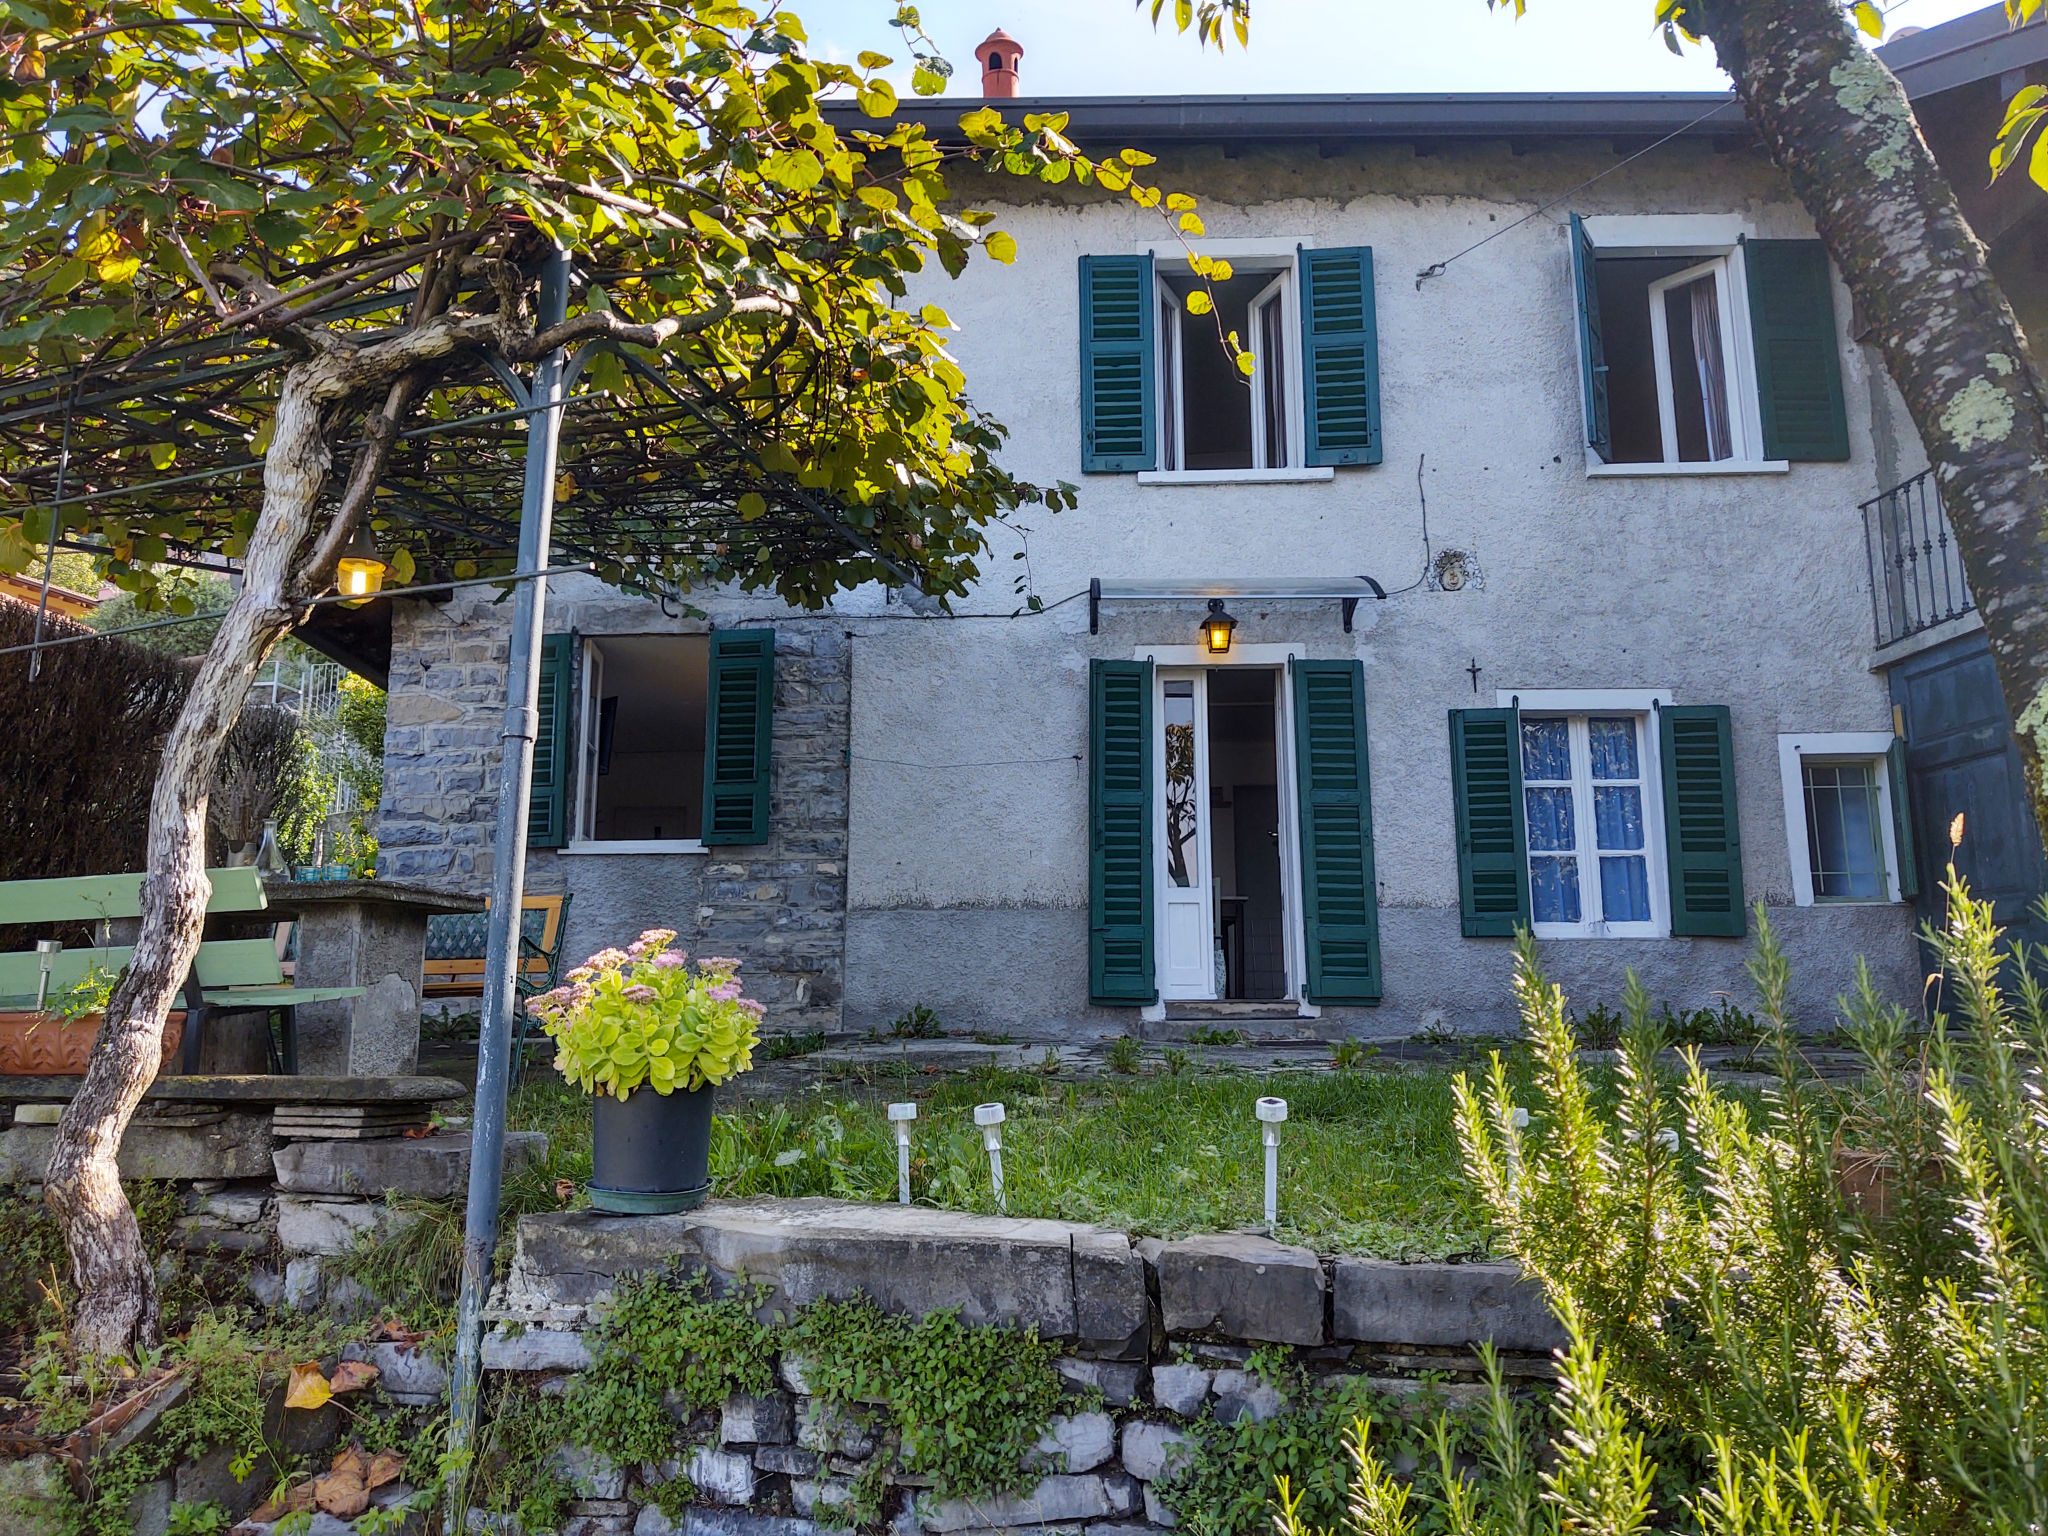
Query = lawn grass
x=1368 y=1159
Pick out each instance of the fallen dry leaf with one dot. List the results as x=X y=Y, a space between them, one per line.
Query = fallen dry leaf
x=352 y=1376
x=385 y=1467
x=308 y=1386
x=269 y=1512
x=392 y=1331
x=417 y=1132
x=341 y=1494
x=565 y=1191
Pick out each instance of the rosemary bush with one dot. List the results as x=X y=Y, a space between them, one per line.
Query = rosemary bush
x=1837 y=1309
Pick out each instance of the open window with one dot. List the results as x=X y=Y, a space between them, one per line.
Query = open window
x=1701 y=349
x=641 y=772
x=1211 y=415
x=1163 y=395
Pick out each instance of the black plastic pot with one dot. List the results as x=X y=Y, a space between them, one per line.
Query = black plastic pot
x=651 y=1152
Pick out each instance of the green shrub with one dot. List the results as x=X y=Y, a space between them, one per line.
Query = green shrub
x=1123 y=1055
x=1840 y=1302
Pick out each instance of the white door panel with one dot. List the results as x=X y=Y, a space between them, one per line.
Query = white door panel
x=1187 y=949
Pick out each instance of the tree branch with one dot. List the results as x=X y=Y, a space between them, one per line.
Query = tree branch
x=655 y=333
x=380 y=435
x=610 y=199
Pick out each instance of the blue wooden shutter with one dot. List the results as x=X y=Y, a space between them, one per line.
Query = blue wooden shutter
x=1493 y=848
x=1339 y=892
x=1592 y=344
x=1702 y=832
x=1340 y=356
x=738 y=729
x=547 y=820
x=1120 y=833
x=1118 y=425
x=1798 y=361
x=1902 y=821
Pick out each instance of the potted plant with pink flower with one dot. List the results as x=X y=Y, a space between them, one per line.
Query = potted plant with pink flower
x=651 y=1036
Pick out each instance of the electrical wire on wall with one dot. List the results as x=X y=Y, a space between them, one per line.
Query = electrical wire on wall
x=1437 y=268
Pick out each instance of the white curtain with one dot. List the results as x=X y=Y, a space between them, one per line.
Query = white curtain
x=1706 y=347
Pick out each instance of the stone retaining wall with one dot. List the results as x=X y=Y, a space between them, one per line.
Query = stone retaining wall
x=1163 y=1331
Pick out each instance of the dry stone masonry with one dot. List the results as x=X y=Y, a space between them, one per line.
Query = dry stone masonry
x=1161 y=1332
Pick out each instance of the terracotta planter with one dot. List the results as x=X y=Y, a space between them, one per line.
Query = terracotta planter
x=42 y=1045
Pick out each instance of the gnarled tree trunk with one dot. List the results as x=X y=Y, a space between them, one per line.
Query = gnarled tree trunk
x=1838 y=123
x=117 y=1308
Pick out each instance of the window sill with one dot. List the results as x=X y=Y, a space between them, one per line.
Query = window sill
x=1598 y=470
x=640 y=845
x=1637 y=931
x=1233 y=476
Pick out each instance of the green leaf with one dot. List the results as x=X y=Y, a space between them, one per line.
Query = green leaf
x=1001 y=246
x=878 y=98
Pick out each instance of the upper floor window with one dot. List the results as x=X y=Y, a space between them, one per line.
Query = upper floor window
x=1211 y=415
x=1164 y=395
x=1701 y=349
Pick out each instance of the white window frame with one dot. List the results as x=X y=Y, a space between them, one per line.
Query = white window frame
x=1712 y=238
x=1577 y=703
x=1660 y=348
x=1247 y=257
x=1837 y=747
x=589 y=691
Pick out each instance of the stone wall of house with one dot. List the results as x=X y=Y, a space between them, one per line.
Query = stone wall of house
x=1162 y=1333
x=779 y=905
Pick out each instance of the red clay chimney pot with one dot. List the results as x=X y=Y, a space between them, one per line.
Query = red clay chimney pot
x=998 y=54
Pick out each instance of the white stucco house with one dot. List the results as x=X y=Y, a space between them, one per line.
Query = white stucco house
x=1528 y=580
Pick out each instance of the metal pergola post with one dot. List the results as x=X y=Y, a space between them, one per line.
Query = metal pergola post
x=508 y=860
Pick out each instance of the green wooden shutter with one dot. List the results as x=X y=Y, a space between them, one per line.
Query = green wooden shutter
x=739 y=725
x=1493 y=847
x=1340 y=895
x=1592 y=343
x=1120 y=833
x=1902 y=821
x=547 y=818
x=1340 y=356
x=1798 y=362
x=1702 y=834
x=1118 y=425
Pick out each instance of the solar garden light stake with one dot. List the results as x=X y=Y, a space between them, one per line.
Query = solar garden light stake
x=1519 y=1119
x=900 y=1116
x=47 y=951
x=990 y=1118
x=1271 y=1112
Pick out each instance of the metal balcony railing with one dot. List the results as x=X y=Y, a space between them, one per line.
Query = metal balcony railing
x=1916 y=574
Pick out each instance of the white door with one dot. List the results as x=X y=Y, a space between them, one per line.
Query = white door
x=1187 y=945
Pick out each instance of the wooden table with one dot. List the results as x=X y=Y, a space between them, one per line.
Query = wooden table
x=370 y=934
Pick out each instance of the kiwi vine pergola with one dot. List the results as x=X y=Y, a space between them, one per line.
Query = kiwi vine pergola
x=640 y=483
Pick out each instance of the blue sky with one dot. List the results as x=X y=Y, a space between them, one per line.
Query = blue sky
x=1108 y=47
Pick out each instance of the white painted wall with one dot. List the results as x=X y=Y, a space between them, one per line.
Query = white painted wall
x=1744 y=590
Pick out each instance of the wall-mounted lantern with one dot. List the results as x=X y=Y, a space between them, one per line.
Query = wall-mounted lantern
x=1216 y=628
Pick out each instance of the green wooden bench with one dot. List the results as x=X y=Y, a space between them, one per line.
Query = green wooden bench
x=228 y=975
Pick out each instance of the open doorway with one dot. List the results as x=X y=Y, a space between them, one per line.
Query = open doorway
x=1244 y=831
x=1223 y=855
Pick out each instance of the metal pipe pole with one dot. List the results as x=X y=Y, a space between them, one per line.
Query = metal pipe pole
x=508 y=863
